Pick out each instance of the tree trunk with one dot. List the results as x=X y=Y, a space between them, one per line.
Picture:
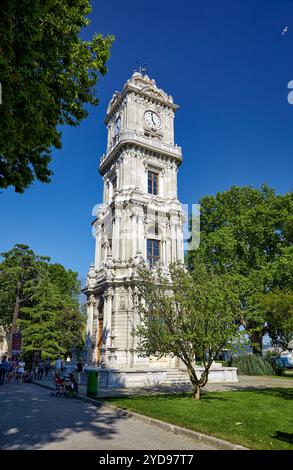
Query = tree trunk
x=15 y=317
x=256 y=342
x=196 y=392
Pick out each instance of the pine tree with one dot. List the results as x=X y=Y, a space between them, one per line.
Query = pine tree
x=39 y=321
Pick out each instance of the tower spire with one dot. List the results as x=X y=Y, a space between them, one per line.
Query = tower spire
x=140 y=68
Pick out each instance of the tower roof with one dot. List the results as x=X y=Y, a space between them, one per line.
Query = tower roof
x=142 y=85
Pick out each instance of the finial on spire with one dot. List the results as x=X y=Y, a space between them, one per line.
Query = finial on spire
x=141 y=68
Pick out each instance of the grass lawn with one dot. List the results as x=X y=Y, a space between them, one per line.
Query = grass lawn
x=258 y=419
x=288 y=374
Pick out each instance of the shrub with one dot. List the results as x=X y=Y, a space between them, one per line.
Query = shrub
x=274 y=360
x=252 y=365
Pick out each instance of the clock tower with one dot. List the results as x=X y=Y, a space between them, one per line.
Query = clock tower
x=140 y=218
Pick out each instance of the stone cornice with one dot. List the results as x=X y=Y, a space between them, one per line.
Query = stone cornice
x=135 y=139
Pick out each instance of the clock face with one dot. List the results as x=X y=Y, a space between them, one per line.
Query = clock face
x=152 y=120
x=117 y=125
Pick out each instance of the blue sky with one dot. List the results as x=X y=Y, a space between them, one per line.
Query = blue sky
x=226 y=64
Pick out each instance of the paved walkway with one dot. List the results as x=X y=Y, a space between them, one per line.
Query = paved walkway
x=32 y=419
x=245 y=383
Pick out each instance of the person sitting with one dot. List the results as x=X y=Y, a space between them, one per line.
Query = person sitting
x=28 y=376
x=59 y=383
x=72 y=387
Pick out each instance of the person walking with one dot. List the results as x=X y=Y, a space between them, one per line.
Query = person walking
x=20 y=371
x=4 y=367
x=47 y=366
x=41 y=369
x=35 y=369
x=10 y=371
x=79 y=367
x=14 y=368
x=58 y=365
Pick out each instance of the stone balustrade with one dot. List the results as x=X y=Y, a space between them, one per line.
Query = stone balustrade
x=138 y=137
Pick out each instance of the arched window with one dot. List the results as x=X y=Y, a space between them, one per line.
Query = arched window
x=153 y=183
x=153 y=251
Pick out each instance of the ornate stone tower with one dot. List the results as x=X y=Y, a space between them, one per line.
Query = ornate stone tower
x=140 y=217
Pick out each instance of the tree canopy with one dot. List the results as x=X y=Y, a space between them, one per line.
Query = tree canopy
x=20 y=267
x=48 y=76
x=248 y=233
x=42 y=301
x=38 y=320
x=190 y=315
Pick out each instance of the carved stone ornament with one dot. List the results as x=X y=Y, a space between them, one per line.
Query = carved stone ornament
x=91 y=300
x=122 y=303
x=91 y=277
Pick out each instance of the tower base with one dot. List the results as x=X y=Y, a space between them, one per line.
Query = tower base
x=141 y=378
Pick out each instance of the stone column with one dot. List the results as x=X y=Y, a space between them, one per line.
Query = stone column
x=140 y=231
x=168 y=180
x=173 y=239
x=98 y=251
x=123 y=234
x=161 y=184
x=89 y=327
x=110 y=192
x=116 y=236
x=180 y=245
x=126 y=173
x=118 y=174
x=131 y=319
x=134 y=235
x=128 y=233
x=104 y=188
x=106 y=191
x=107 y=325
x=164 y=254
x=174 y=176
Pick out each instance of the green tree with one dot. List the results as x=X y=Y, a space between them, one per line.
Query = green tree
x=245 y=232
x=32 y=291
x=66 y=280
x=20 y=267
x=39 y=320
x=71 y=321
x=48 y=76
x=193 y=319
x=278 y=307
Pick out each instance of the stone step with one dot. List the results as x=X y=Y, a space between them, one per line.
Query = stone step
x=176 y=376
x=176 y=382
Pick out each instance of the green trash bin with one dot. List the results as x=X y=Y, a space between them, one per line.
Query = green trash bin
x=92 y=383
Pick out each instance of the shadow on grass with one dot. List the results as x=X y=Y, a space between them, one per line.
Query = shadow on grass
x=285 y=393
x=150 y=397
x=205 y=396
x=284 y=436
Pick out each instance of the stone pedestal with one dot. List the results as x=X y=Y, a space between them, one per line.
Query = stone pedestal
x=149 y=377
